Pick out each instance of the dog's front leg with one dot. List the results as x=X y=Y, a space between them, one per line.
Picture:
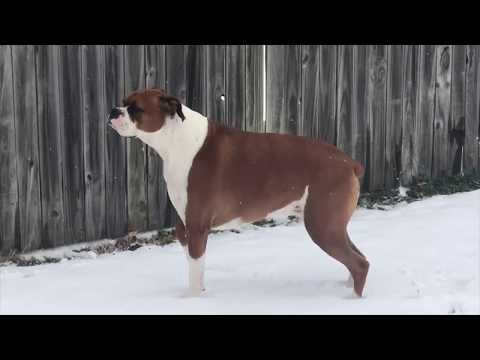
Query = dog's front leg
x=195 y=251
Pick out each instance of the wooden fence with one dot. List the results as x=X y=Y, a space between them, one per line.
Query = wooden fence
x=405 y=111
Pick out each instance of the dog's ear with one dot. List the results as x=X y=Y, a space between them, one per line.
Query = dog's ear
x=171 y=105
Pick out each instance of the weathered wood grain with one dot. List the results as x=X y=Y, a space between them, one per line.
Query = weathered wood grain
x=195 y=77
x=377 y=115
x=283 y=88
x=359 y=115
x=345 y=99
x=423 y=129
x=254 y=89
x=50 y=122
x=309 y=119
x=442 y=110
x=27 y=150
x=327 y=90
x=116 y=155
x=393 y=129
x=9 y=211
x=176 y=82
x=410 y=108
x=472 y=109
x=95 y=123
x=235 y=84
x=137 y=183
x=456 y=124
x=319 y=82
x=72 y=143
x=216 y=84
x=157 y=190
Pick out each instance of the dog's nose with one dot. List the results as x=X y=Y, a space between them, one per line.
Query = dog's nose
x=115 y=113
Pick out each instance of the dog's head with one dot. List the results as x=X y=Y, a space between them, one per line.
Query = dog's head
x=145 y=110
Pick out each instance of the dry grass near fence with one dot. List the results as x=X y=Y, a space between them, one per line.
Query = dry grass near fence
x=419 y=189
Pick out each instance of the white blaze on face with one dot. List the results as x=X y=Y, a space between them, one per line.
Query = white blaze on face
x=123 y=124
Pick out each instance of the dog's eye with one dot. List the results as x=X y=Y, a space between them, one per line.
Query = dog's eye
x=134 y=110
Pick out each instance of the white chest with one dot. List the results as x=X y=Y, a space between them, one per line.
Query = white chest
x=176 y=178
x=178 y=142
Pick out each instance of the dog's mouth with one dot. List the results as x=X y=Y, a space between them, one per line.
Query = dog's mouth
x=117 y=120
x=119 y=123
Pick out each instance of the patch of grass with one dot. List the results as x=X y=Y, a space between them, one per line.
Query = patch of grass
x=31 y=261
x=420 y=189
x=265 y=223
x=127 y=243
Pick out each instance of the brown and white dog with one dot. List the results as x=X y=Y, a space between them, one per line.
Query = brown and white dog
x=219 y=177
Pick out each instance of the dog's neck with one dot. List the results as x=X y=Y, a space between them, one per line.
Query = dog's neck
x=178 y=140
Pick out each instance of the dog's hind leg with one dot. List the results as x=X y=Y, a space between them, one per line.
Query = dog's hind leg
x=350 y=281
x=327 y=213
x=335 y=244
x=352 y=245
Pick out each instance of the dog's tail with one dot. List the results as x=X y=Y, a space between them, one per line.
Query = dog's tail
x=358 y=169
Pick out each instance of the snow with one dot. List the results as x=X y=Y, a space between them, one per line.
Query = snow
x=424 y=259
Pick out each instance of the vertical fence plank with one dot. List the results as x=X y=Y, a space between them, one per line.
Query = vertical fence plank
x=423 y=133
x=235 y=84
x=50 y=122
x=157 y=189
x=393 y=130
x=410 y=104
x=136 y=150
x=377 y=115
x=9 y=226
x=95 y=123
x=442 y=110
x=283 y=88
x=360 y=108
x=254 y=89
x=472 y=109
x=327 y=91
x=310 y=118
x=195 y=77
x=176 y=82
x=27 y=151
x=345 y=99
x=216 y=82
x=177 y=72
x=319 y=70
x=456 y=125
x=72 y=143
x=116 y=156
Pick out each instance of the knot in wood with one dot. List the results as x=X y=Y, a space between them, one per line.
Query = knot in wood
x=445 y=58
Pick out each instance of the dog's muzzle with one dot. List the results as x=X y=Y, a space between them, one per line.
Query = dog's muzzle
x=115 y=113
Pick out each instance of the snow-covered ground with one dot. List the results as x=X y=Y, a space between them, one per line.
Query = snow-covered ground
x=424 y=260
